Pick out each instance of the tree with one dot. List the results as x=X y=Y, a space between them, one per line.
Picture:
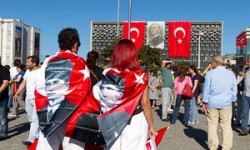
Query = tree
x=150 y=58
x=107 y=52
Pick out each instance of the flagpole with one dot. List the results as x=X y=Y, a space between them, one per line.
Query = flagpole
x=129 y=17
x=118 y=19
x=199 y=49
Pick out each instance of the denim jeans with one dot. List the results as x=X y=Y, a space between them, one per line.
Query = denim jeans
x=194 y=116
x=177 y=108
x=33 y=119
x=3 y=117
x=245 y=112
x=166 y=96
x=9 y=103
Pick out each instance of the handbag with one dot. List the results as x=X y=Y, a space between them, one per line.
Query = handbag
x=187 y=91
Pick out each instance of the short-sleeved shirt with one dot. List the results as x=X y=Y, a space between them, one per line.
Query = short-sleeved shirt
x=4 y=75
x=31 y=80
x=196 y=91
x=21 y=73
x=167 y=78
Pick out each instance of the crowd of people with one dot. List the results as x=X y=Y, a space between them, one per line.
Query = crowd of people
x=221 y=93
x=66 y=98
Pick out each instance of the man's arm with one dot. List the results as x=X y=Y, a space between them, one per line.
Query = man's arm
x=206 y=88
x=20 y=89
x=164 y=62
x=234 y=89
x=4 y=85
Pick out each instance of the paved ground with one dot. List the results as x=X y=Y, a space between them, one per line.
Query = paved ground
x=178 y=137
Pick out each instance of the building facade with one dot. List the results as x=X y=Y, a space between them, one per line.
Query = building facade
x=17 y=41
x=243 y=44
x=103 y=33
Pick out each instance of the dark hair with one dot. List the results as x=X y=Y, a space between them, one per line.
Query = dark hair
x=67 y=38
x=182 y=73
x=22 y=67
x=7 y=67
x=17 y=62
x=93 y=55
x=125 y=56
x=34 y=59
x=193 y=68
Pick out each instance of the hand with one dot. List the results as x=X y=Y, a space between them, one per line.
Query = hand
x=209 y=66
x=204 y=108
x=152 y=132
x=15 y=97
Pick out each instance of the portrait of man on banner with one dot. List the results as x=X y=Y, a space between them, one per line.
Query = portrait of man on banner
x=155 y=34
x=18 y=42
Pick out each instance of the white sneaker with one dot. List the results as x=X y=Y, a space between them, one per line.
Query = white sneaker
x=169 y=109
x=11 y=115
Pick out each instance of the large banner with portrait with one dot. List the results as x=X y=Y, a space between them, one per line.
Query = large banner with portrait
x=37 y=44
x=155 y=34
x=18 y=42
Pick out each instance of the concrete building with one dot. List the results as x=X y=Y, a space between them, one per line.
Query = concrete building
x=210 y=34
x=17 y=41
x=243 y=44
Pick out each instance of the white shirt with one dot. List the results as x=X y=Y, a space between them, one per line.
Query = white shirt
x=13 y=72
x=31 y=79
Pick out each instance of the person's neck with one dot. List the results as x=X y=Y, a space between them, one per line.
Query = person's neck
x=193 y=73
x=34 y=68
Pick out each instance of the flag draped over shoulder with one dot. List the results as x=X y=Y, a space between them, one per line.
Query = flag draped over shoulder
x=117 y=95
x=137 y=30
x=179 y=34
x=62 y=85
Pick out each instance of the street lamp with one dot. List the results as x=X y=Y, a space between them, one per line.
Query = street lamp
x=199 y=49
x=118 y=20
x=129 y=16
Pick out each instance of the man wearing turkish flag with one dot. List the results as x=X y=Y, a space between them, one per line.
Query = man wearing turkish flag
x=137 y=30
x=179 y=34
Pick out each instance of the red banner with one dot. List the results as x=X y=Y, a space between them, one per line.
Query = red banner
x=137 y=30
x=241 y=40
x=179 y=34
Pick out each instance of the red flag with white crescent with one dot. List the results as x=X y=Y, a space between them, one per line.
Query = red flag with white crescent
x=179 y=34
x=137 y=30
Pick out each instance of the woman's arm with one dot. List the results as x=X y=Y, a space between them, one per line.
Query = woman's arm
x=195 y=85
x=18 y=78
x=147 y=111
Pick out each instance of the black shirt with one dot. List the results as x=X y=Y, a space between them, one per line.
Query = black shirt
x=96 y=75
x=4 y=75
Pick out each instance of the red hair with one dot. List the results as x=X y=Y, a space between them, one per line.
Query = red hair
x=125 y=56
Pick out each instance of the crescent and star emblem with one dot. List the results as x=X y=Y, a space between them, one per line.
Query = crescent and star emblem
x=137 y=33
x=181 y=30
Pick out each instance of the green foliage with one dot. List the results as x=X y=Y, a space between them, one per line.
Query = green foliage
x=150 y=58
x=107 y=52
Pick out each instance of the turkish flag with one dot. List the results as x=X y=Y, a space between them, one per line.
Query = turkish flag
x=179 y=34
x=137 y=30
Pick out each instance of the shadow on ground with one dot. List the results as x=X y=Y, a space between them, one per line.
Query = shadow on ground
x=199 y=135
x=19 y=129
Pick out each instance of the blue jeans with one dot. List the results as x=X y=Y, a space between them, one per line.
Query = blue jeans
x=3 y=117
x=177 y=108
x=194 y=116
x=245 y=112
x=33 y=119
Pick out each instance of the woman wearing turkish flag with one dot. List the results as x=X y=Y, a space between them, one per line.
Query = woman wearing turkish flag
x=125 y=111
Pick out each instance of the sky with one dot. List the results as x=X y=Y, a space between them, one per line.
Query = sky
x=53 y=15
